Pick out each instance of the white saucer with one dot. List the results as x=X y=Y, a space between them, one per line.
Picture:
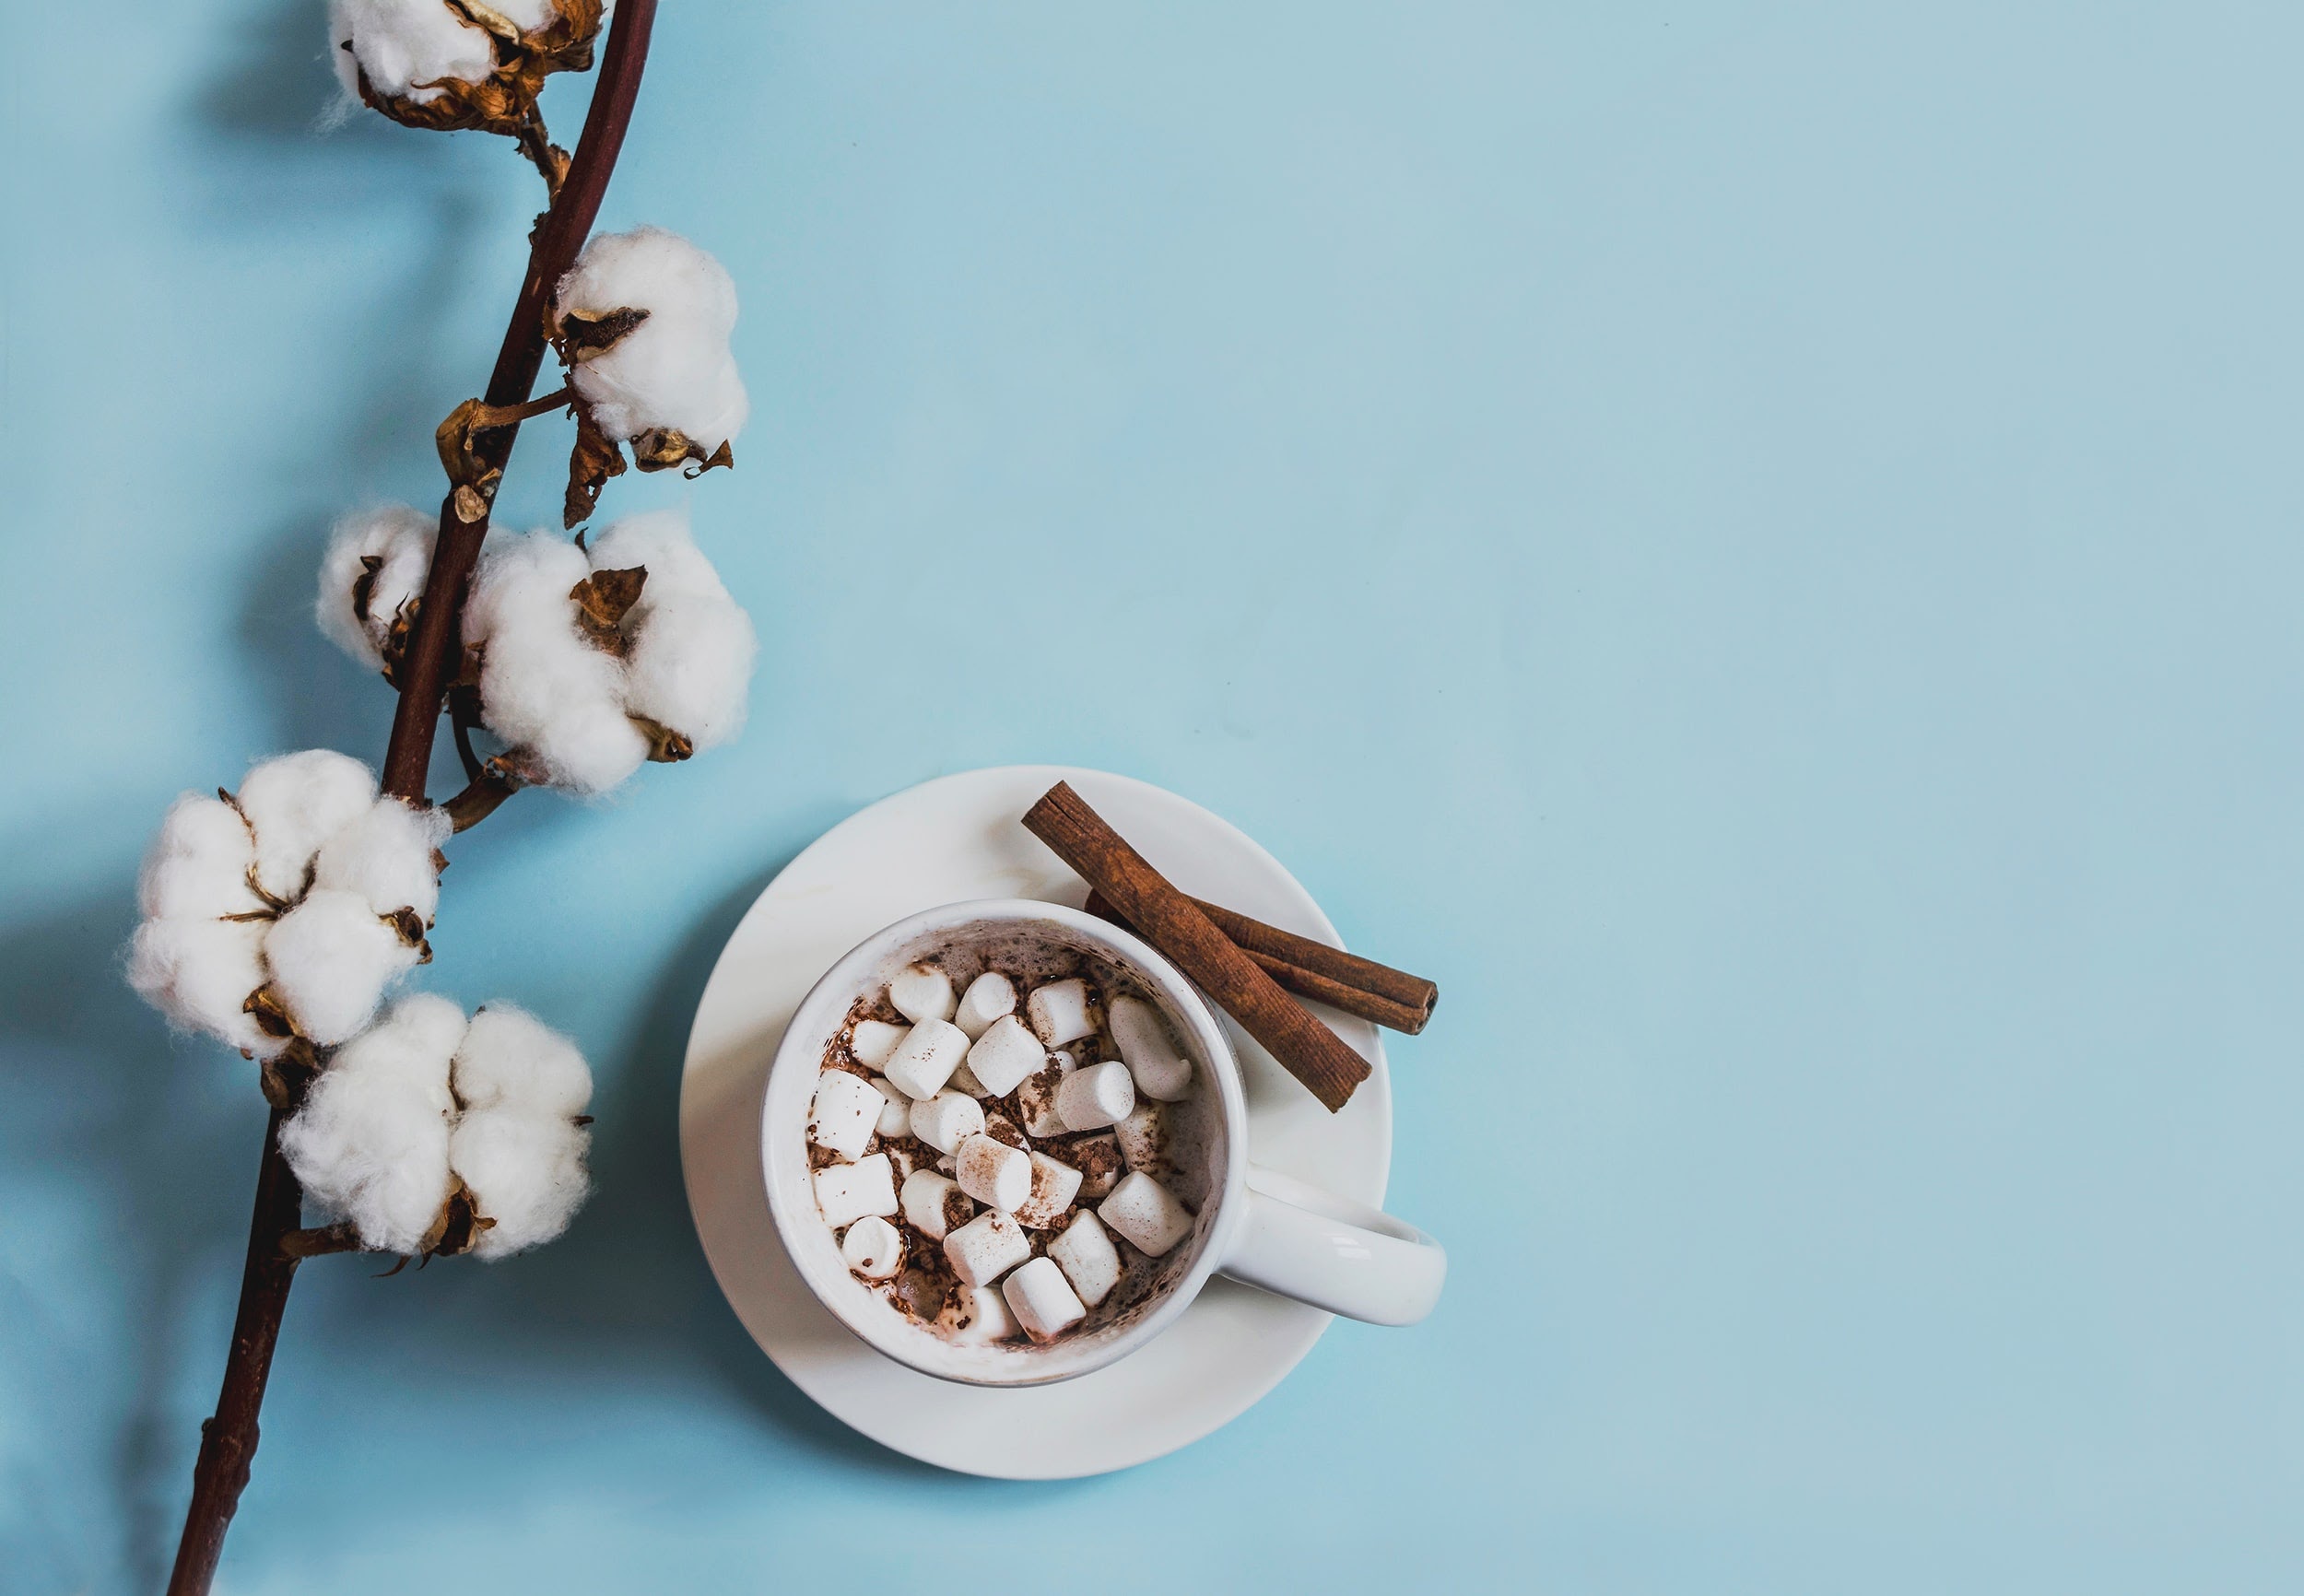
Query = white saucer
x=959 y=837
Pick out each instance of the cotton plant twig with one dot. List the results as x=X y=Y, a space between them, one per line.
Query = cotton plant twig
x=276 y=1239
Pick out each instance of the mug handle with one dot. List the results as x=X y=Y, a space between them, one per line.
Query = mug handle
x=1349 y=1259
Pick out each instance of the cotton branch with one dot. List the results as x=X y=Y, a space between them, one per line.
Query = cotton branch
x=422 y=673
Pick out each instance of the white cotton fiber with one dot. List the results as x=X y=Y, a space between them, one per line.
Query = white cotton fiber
x=692 y=647
x=399 y=537
x=330 y=960
x=371 y=1141
x=197 y=868
x=512 y=1060
x=385 y=858
x=403 y=44
x=675 y=369
x=544 y=688
x=199 y=973
x=517 y=1146
x=295 y=803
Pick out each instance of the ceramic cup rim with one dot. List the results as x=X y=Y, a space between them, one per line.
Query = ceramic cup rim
x=791 y=1199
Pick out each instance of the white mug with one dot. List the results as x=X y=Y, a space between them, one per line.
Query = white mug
x=1253 y=1225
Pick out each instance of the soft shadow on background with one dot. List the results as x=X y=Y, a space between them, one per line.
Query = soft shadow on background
x=1754 y=541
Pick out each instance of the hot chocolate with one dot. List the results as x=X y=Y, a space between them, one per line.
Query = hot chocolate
x=1011 y=1144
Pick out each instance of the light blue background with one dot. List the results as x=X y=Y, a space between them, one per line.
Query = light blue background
x=1755 y=543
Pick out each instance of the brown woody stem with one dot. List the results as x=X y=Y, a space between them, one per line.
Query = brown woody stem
x=321 y=1240
x=227 y=1441
x=481 y=798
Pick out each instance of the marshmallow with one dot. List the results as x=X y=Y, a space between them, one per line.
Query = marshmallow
x=925 y=1058
x=923 y=991
x=1141 y=1210
x=1098 y=1095
x=1040 y=1297
x=946 y=1119
x=1004 y=1054
x=873 y=1248
x=1059 y=1011
x=1037 y=1098
x=1097 y=1159
x=896 y=1109
x=977 y=1314
x=848 y=1193
x=1054 y=1187
x=1086 y=1253
x=964 y=1080
x=988 y=997
x=1000 y=1127
x=1143 y=1138
x=847 y=1108
x=873 y=1040
x=903 y=1161
x=1158 y=1066
x=933 y=1204
x=986 y=1248
x=994 y=1173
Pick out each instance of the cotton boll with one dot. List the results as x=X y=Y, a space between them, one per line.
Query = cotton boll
x=385 y=857
x=331 y=958
x=199 y=973
x=675 y=369
x=403 y=44
x=544 y=688
x=524 y=1172
x=512 y=1061
x=360 y=621
x=371 y=1141
x=197 y=868
x=692 y=647
x=295 y=803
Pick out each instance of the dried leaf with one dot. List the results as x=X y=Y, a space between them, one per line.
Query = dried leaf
x=602 y=600
x=264 y=1007
x=665 y=447
x=457 y=1228
x=583 y=334
x=665 y=746
x=593 y=460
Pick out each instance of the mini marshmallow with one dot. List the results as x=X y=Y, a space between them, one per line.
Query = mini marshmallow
x=1059 y=1012
x=873 y=1248
x=986 y=1248
x=946 y=1119
x=1143 y=1138
x=976 y=1315
x=964 y=1080
x=1055 y=1185
x=846 y=1110
x=1097 y=1159
x=1037 y=1097
x=988 y=997
x=1086 y=1253
x=1141 y=1209
x=1098 y=1095
x=1004 y=1054
x=923 y=991
x=896 y=1109
x=934 y=1205
x=994 y=1173
x=873 y=1040
x=1158 y=1066
x=847 y=1192
x=925 y=1058
x=1042 y=1299
x=903 y=1161
x=1000 y=1127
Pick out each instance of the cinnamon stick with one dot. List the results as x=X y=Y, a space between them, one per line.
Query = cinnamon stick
x=1375 y=993
x=1176 y=926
